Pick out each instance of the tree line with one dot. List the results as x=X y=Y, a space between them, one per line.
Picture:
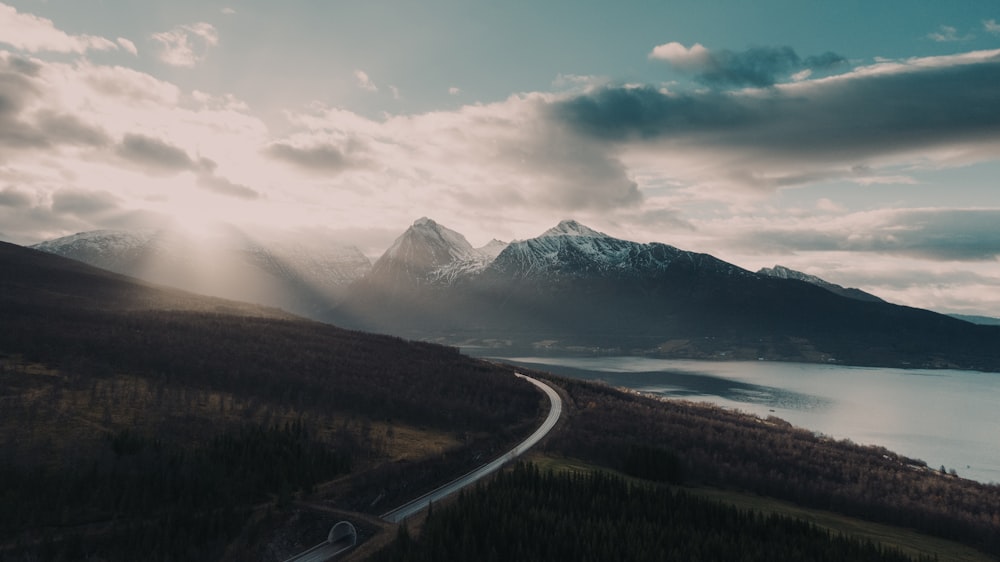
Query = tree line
x=529 y=515
x=678 y=441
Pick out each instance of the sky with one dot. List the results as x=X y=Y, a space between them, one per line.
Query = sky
x=856 y=141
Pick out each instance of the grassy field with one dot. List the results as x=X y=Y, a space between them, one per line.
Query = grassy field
x=906 y=540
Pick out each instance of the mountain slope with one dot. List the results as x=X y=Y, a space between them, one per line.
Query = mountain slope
x=576 y=289
x=782 y=272
x=138 y=419
x=299 y=275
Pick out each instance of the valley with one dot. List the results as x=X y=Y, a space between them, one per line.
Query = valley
x=201 y=428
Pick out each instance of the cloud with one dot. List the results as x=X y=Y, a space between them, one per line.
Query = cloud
x=35 y=34
x=14 y=198
x=756 y=66
x=186 y=45
x=454 y=91
x=364 y=82
x=18 y=89
x=228 y=11
x=930 y=234
x=83 y=203
x=128 y=46
x=208 y=179
x=697 y=56
x=154 y=155
x=65 y=128
x=991 y=26
x=803 y=132
x=323 y=158
x=948 y=34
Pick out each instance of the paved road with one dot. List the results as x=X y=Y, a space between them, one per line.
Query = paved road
x=555 y=410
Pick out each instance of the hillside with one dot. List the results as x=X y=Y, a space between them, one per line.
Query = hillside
x=302 y=274
x=137 y=419
x=143 y=423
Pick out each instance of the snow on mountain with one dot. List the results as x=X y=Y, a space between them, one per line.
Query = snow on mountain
x=782 y=272
x=573 y=228
x=492 y=249
x=431 y=253
x=574 y=250
x=108 y=249
x=296 y=273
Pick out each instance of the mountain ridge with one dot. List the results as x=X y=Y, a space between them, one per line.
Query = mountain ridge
x=574 y=289
x=300 y=275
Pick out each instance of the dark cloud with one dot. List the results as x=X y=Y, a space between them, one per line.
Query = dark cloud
x=24 y=66
x=843 y=121
x=208 y=179
x=223 y=186
x=621 y=113
x=14 y=198
x=83 y=203
x=68 y=129
x=20 y=129
x=945 y=235
x=318 y=158
x=757 y=66
x=154 y=155
x=16 y=89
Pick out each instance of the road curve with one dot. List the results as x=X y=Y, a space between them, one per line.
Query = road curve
x=555 y=411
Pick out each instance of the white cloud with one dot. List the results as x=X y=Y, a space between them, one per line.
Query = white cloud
x=395 y=92
x=454 y=90
x=228 y=11
x=827 y=205
x=364 y=81
x=128 y=46
x=35 y=34
x=948 y=34
x=186 y=45
x=681 y=56
x=991 y=26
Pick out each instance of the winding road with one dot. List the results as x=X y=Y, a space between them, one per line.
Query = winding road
x=421 y=503
x=327 y=550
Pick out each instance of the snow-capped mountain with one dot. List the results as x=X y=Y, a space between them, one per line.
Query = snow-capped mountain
x=113 y=250
x=574 y=289
x=300 y=275
x=429 y=253
x=572 y=249
x=782 y=272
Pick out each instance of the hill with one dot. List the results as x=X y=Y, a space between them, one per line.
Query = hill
x=145 y=423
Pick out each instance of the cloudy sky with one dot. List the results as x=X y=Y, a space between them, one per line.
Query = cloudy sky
x=857 y=141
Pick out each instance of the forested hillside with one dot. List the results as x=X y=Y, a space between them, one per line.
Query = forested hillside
x=139 y=423
x=527 y=515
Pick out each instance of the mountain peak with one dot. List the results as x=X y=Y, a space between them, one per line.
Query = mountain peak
x=423 y=249
x=573 y=228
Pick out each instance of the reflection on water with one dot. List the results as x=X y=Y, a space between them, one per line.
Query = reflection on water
x=944 y=417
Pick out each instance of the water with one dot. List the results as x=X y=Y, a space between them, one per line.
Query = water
x=943 y=417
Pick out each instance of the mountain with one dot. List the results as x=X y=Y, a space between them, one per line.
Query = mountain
x=301 y=275
x=782 y=272
x=428 y=253
x=984 y=320
x=573 y=289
